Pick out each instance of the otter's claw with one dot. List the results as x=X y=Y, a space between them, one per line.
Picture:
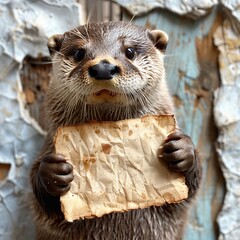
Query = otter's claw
x=55 y=174
x=178 y=152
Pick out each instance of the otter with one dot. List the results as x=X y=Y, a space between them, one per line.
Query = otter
x=107 y=72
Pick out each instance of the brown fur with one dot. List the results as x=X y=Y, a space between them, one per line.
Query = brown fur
x=140 y=89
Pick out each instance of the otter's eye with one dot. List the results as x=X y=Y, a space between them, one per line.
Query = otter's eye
x=130 y=53
x=79 y=54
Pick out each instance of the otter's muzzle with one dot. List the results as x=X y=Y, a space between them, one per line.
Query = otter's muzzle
x=103 y=70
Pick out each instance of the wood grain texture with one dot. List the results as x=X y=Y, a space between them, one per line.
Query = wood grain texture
x=35 y=76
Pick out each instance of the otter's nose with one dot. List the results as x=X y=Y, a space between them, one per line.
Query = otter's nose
x=103 y=70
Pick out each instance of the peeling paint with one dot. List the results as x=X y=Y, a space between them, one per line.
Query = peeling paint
x=233 y=6
x=191 y=8
x=227 y=118
x=25 y=26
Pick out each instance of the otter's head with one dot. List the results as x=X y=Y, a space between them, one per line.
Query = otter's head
x=106 y=67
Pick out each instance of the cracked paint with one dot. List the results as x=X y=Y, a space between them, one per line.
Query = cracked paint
x=190 y=8
x=25 y=26
x=227 y=118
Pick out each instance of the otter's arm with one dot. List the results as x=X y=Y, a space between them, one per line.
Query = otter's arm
x=179 y=152
x=50 y=177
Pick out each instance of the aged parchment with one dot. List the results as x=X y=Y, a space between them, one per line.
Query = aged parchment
x=116 y=167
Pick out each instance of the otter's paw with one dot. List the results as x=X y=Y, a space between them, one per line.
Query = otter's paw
x=178 y=152
x=55 y=174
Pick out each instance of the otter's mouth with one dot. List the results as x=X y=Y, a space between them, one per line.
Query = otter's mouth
x=105 y=92
x=106 y=96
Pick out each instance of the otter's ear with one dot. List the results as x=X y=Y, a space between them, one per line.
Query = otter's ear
x=54 y=43
x=160 y=39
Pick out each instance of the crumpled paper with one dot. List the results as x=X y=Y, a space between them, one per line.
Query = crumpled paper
x=116 y=167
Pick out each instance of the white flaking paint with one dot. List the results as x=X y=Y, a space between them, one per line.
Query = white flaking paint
x=227 y=118
x=193 y=8
x=25 y=26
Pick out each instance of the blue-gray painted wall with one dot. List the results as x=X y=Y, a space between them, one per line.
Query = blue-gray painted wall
x=192 y=75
